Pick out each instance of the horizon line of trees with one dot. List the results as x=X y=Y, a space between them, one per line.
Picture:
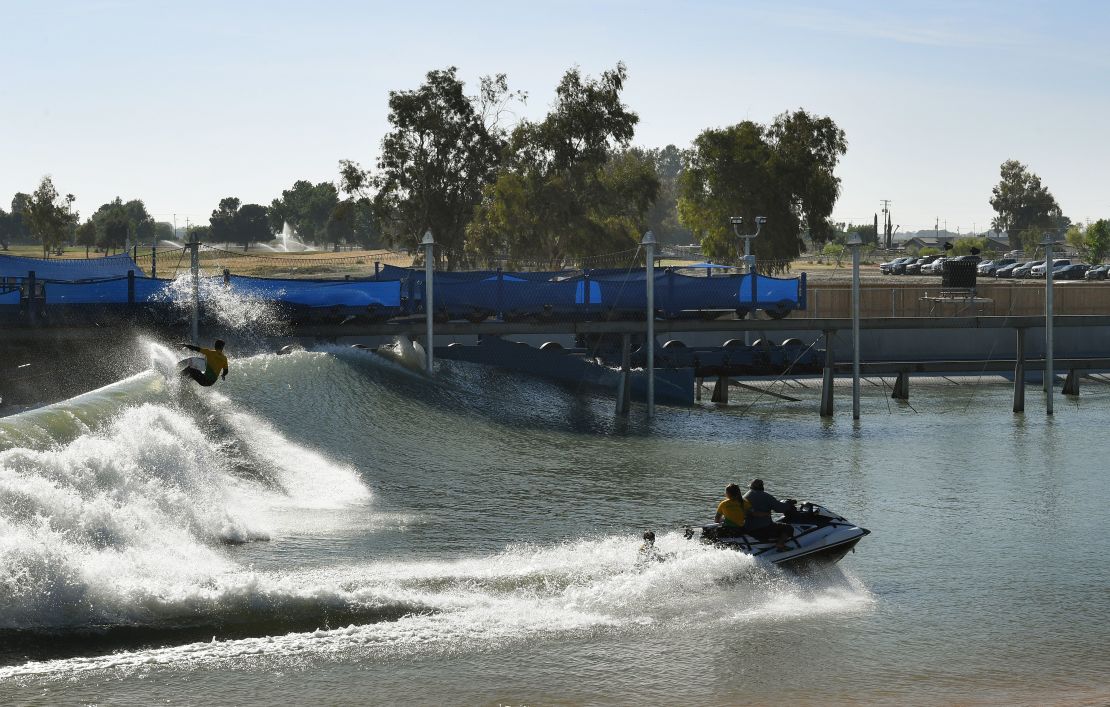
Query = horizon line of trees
x=492 y=186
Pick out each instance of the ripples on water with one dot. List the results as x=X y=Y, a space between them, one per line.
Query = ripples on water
x=365 y=533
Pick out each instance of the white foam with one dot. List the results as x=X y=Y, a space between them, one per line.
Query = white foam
x=308 y=478
x=522 y=594
x=123 y=525
x=236 y=309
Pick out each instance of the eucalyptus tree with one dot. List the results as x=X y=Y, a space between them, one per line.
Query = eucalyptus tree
x=1025 y=206
x=442 y=148
x=305 y=207
x=569 y=188
x=50 y=216
x=783 y=171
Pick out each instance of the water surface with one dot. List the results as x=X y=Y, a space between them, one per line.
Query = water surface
x=327 y=527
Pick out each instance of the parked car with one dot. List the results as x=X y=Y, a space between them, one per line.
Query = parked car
x=1098 y=272
x=1008 y=270
x=934 y=268
x=1039 y=270
x=991 y=267
x=900 y=268
x=915 y=267
x=889 y=268
x=1074 y=271
x=1023 y=271
x=968 y=259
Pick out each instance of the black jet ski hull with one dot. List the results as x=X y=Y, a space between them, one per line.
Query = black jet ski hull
x=819 y=537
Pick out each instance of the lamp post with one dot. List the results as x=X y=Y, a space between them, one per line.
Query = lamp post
x=1048 y=243
x=428 y=242
x=854 y=241
x=648 y=243
x=736 y=221
x=749 y=259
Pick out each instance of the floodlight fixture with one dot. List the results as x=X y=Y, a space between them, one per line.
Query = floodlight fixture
x=427 y=239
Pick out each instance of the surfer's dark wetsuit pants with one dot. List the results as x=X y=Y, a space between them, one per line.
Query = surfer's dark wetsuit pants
x=207 y=378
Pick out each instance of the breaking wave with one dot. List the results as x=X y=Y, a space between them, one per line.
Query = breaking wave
x=121 y=511
x=485 y=603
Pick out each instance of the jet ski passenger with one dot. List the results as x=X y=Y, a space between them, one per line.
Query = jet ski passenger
x=730 y=513
x=759 y=524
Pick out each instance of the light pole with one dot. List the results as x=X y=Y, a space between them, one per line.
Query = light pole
x=428 y=242
x=736 y=221
x=749 y=259
x=1048 y=242
x=854 y=241
x=648 y=243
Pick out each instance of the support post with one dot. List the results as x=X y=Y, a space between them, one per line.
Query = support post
x=698 y=383
x=1071 y=383
x=130 y=287
x=827 y=378
x=194 y=269
x=429 y=306
x=227 y=277
x=153 y=260
x=32 y=312
x=720 y=390
x=901 y=386
x=649 y=246
x=1019 y=372
x=624 y=389
x=855 y=242
x=1049 y=373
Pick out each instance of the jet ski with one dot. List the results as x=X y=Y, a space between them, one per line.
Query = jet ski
x=820 y=537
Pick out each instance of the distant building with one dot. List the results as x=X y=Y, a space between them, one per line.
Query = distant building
x=919 y=242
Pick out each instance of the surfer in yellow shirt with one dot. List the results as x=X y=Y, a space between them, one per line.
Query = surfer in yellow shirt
x=215 y=364
x=730 y=512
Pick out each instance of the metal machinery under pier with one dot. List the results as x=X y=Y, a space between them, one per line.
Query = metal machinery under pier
x=1019 y=364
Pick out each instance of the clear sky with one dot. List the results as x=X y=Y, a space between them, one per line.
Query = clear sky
x=183 y=103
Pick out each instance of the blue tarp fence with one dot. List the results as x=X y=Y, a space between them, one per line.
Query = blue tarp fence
x=459 y=294
x=321 y=293
x=68 y=269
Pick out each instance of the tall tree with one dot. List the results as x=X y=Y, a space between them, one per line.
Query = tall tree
x=442 y=148
x=163 y=230
x=784 y=171
x=662 y=217
x=222 y=221
x=112 y=225
x=140 y=223
x=50 y=216
x=87 y=235
x=7 y=228
x=569 y=187
x=341 y=223
x=1097 y=240
x=19 y=227
x=306 y=208
x=251 y=225
x=1024 y=205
